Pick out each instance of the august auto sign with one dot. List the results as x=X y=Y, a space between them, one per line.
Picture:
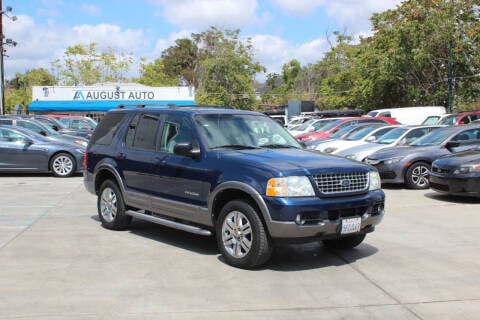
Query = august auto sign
x=114 y=95
x=121 y=92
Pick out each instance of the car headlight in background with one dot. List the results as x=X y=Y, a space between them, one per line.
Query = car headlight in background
x=295 y=186
x=82 y=143
x=375 y=182
x=392 y=160
x=467 y=168
x=330 y=149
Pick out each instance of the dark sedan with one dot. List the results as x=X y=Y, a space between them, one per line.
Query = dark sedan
x=410 y=165
x=22 y=150
x=457 y=174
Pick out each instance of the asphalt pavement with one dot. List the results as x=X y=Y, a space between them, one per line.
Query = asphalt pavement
x=57 y=262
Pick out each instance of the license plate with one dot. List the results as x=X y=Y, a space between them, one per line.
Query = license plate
x=351 y=225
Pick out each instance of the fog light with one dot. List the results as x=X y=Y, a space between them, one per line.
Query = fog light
x=299 y=219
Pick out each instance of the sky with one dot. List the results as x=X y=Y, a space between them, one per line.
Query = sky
x=280 y=30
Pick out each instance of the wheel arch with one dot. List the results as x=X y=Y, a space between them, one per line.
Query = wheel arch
x=237 y=191
x=107 y=172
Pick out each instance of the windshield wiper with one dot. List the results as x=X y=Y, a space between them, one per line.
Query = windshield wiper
x=234 y=146
x=276 y=146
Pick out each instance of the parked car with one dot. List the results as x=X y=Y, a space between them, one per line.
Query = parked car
x=409 y=115
x=336 y=125
x=23 y=150
x=460 y=118
x=75 y=122
x=58 y=126
x=411 y=164
x=296 y=121
x=457 y=174
x=42 y=129
x=311 y=125
x=365 y=134
x=398 y=136
x=233 y=173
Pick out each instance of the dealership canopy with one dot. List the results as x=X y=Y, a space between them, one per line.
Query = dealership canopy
x=103 y=97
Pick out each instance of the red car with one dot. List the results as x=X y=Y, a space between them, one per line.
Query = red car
x=460 y=118
x=338 y=124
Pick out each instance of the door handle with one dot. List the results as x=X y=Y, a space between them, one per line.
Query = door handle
x=122 y=155
x=160 y=162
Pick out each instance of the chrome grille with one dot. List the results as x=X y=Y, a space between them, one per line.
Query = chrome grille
x=347 y=182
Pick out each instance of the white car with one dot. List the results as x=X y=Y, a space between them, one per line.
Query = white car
x=366 y=134
x=402 y=135
x=311 y=126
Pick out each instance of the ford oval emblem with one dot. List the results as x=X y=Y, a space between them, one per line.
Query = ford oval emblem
x=345 y=182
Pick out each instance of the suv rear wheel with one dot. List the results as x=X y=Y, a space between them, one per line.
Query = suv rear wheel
x=241 y=236
x=111 y=207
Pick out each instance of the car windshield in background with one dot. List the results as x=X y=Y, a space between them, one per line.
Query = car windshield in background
x=392 y=136
x=433 y=138
x=240 y=131
x=361 y=133
x=449 y=120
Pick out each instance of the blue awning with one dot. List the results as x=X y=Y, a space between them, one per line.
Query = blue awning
x=96 y=105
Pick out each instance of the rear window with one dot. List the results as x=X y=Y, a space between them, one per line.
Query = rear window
x=105 y=131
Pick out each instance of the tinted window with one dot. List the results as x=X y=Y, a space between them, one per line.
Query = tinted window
x=142 y=131
x=176 y=129
x=109 y=125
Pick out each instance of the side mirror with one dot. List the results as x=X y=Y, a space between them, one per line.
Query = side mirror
x=56 y=128
x=452 y=144
x=370 y=139
x=186 y=149
x=43 y=133
x=27 y=142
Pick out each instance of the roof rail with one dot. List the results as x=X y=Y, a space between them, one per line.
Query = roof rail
x=144 y=105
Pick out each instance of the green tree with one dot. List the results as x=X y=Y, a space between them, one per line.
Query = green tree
x=153 y=74
x=84 y=65
x=225 y=71
x=19 y=89
x=181 y=60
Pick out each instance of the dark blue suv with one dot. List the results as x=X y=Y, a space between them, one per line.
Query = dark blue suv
x=236 y=174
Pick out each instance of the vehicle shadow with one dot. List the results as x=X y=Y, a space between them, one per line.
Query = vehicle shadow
x=285 y=258
x=314 y=256
x=450 y=198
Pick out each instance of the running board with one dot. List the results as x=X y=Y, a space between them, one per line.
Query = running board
x=169 y=223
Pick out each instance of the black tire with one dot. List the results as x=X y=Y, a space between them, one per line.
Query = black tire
x=111 y=207
x=417 y=174
x=345 y=243
x=250 y=246
x=63 y=165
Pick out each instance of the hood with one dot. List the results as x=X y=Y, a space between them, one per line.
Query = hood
x=290 y=161
x=400 y=151
x=460 y=158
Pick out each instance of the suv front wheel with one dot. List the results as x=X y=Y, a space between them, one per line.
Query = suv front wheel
x=111 y=207
x=241 y=236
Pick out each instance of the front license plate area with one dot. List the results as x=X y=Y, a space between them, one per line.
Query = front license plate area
x=351 y=225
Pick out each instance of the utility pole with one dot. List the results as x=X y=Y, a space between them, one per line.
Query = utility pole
x=450 y=78
x=2 y=54
x=2 y=84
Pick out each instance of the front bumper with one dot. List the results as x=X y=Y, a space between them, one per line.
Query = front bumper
x=450 y=184
x=301 y=220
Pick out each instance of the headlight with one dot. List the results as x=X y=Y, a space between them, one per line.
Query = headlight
x=330 y=149
x=295 y=186
x=392 y=160
x=82 y=143
x=375 y=182
x=467 y=168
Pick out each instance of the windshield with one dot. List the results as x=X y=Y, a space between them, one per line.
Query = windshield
x=305 y=125
x=449 y=120
x=345 y=132
x=92 y=123
x=243 y=131
x=433 y=138
x=331 y=124
x=362 y=132
x=391 y=136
